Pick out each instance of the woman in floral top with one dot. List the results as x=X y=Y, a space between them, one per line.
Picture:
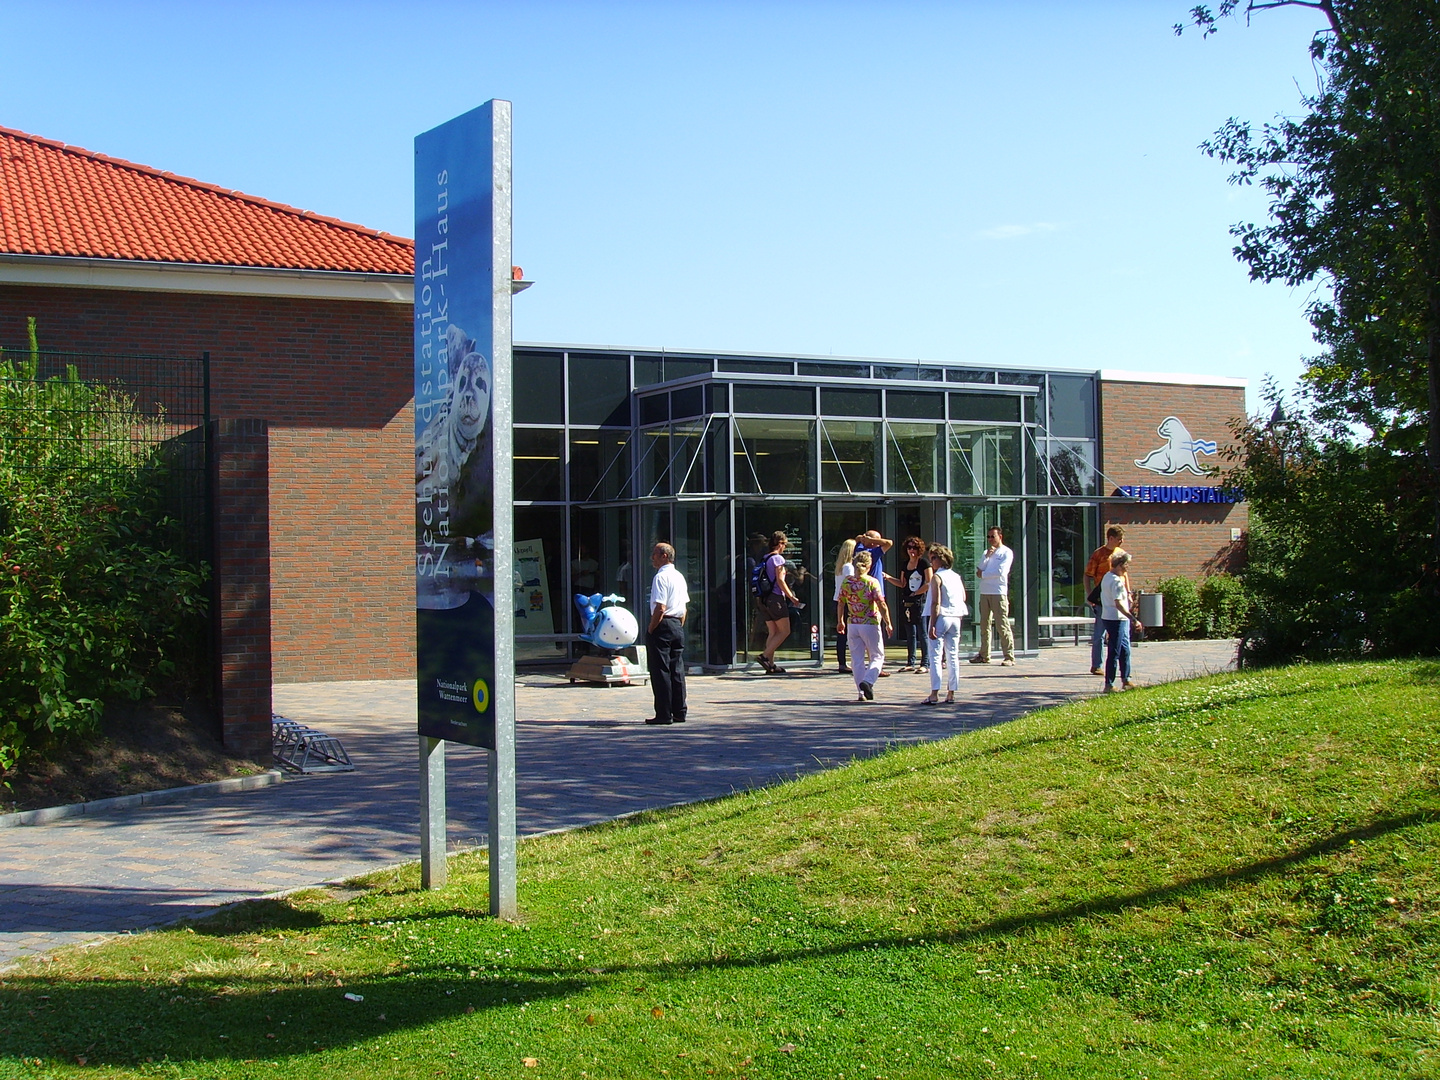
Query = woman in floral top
x=862 y=615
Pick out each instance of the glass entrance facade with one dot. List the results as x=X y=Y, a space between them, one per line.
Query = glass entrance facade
x=616 y=449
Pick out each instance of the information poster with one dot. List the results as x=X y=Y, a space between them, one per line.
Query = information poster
x=462 y=431
x=533 y=613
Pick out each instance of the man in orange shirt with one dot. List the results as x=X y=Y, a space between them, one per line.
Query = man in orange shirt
x=1095 y=569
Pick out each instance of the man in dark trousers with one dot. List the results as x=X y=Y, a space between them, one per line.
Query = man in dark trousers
x=666 y=639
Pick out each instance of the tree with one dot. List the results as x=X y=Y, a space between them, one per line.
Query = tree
x=1355 y=205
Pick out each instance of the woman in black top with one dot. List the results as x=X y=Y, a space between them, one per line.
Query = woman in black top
x=914 y=583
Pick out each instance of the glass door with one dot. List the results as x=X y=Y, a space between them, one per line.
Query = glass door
x=840 y=522
x=756 y=522
x=969 y=523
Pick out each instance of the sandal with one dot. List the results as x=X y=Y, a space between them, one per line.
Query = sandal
x=950 y=698
x=933 y=699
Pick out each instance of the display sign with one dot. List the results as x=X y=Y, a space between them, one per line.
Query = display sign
x=533 y=614
x=1177 y=455
x=1150 y=493
x=462 y=424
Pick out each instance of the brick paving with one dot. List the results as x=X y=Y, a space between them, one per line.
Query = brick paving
x=584 y=755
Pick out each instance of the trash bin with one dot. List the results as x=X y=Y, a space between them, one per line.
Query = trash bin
x=1152 y=608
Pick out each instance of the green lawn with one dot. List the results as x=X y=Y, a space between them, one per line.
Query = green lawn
x=1235 y=876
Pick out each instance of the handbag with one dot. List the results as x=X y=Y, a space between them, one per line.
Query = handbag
x=1093 y=596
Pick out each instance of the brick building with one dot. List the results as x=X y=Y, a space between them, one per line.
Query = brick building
x=1170 y=538
x=308 y=322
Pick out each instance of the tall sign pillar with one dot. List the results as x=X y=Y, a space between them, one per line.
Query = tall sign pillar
x=464 y=535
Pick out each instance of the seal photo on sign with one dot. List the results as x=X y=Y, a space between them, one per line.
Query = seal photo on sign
x=1178 y=453
x=454 y=480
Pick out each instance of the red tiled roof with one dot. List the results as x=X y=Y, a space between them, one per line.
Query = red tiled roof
x=61 y=200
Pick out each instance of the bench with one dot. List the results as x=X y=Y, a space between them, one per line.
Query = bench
x=1075 y=622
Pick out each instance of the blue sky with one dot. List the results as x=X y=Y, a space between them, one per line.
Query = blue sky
x=1008 y=183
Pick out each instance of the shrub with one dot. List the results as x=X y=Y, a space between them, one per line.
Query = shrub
x=1224 y=604
x=92 y=598
x=1183 y=615
x=1341 y=549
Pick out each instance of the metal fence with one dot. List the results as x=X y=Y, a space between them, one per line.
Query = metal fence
x=115 y=412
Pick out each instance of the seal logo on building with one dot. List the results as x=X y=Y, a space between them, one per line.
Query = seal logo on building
x=1178 y=453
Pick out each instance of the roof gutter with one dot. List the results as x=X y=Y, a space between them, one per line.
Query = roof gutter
x=141 y=275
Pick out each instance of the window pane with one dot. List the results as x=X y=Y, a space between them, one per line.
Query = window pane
x=757 y=367
x=849 y=402
x=985 y=460
x=1071 y=468
x=915 y=404
x=539 y=381
x=540 y=587
x=717 y=397
x=683 y=369
x=1021 y=378
x=1072 y=406
x=914 y=457
x=1036 y=482
x=600 y=390
x=538 y=475
x=1001 y=407
x=969 y=375
x=911 y=372
x=687 y=402
x=655 y=409
x=1070 y=545
x=600 y=555
x=836 y=371
x=653 y=369
x=787 y=400
x=599 y=465
x=717 y=455
x=849 y=455
x=774 y=456
x=653 y=444
x=687 y=467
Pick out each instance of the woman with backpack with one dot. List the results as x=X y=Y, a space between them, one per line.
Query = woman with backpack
x=773 y=594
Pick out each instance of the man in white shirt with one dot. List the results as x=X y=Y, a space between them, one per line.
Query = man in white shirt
x=994 y=575
x=666 y=640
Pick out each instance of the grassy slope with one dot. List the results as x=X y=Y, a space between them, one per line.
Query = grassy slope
x=1230 y=877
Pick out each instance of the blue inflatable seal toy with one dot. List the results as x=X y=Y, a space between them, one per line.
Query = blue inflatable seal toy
x=606 y=626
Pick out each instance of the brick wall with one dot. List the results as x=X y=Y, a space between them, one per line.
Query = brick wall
x=332 y=380
x=1176 y=539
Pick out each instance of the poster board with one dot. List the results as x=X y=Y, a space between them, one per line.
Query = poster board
x=463 y=528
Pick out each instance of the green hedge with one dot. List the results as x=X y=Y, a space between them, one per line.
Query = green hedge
x=93 y=601
x=1183 y=614
x=1216 y=608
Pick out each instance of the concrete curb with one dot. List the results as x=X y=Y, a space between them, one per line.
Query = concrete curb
x=145 y=798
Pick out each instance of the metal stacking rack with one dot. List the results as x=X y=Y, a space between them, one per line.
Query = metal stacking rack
x=304 y=750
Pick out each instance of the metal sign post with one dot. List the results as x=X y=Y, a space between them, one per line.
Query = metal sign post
x=464 y=534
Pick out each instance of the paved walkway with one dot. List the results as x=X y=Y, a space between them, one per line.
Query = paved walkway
x=583 y=755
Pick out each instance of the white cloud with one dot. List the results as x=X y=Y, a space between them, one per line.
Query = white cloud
x=1010 y=232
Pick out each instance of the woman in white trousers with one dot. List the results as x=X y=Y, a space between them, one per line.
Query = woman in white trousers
x=945 y=604
x=863 y=614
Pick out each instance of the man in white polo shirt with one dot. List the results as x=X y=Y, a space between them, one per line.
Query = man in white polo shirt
x=994 y=575
x=668 y=597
